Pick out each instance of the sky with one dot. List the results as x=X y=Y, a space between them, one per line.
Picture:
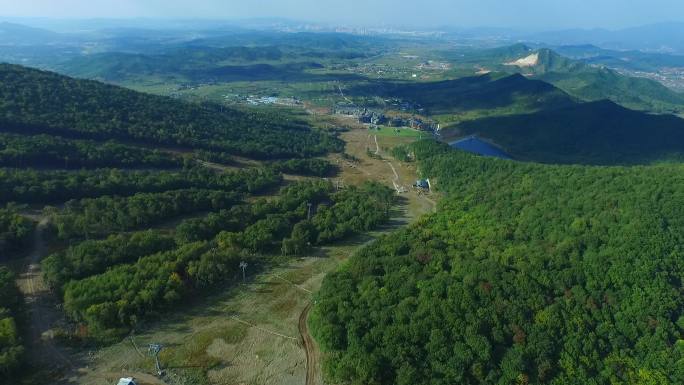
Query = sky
x=525 y=14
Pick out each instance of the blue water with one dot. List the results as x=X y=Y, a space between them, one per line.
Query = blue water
x=474 y=145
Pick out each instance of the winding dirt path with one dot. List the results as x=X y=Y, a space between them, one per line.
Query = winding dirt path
x=312 y=365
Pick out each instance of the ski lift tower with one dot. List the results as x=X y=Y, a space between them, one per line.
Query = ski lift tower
x=153 y=350
x=243 y=266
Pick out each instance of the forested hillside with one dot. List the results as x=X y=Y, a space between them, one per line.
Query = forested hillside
x=109 y=286
x=527 y=274
x=134 y=217
x=37 y=102
x=57 y=152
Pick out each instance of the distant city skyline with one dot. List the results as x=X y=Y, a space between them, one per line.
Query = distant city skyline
x=520 y=14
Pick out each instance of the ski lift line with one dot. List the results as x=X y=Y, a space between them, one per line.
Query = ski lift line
x=292 y=283
x=135 y=346
x=262 y=329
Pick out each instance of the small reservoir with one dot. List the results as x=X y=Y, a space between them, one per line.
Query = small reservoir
x=475 y=145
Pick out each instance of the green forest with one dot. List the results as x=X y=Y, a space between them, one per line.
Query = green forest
x=15 y=231
x=56 y=152
x=527 y=274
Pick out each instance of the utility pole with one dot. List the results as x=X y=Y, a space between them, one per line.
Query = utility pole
x=154 y=350
x=243 y=266
x=308 y=204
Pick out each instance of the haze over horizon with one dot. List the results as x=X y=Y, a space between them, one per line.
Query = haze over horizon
x=523 y=14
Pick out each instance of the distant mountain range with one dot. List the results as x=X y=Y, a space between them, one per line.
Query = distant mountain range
x=663 y=37
x=17 y=34
x=586 y=79
x=633 y=60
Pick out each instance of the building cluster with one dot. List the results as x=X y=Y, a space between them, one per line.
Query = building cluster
x=433 y=66
x=264 y=100
x=375 y=117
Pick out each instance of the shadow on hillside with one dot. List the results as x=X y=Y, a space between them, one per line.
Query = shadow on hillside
x=594 y=133
x=296 y=72
x=469 y=93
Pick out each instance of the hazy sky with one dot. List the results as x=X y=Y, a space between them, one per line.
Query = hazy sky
x=534 y=14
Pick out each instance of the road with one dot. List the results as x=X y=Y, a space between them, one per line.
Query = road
x=395 y=180
x=41 y=308
x=342 y=94
x=312 y=365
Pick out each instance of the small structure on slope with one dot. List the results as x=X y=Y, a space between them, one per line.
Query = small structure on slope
x=423 y=183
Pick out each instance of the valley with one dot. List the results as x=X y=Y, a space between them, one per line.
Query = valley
x=320 y=207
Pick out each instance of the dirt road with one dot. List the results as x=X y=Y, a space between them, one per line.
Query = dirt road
x=309 y=347
x=41 y=309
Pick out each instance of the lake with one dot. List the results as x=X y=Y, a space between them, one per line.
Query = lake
x=477 y=146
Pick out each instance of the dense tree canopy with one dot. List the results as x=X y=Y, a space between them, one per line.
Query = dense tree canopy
x=57 y=152
x=15 y=231
x=11 y=347
x=56 y=186
x=95 y=256
x=105 y=215
x=311 y=167
x=527 y=274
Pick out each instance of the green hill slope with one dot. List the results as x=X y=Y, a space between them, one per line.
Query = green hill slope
x=33 y=101
x=590 y=133
x=602 y=83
